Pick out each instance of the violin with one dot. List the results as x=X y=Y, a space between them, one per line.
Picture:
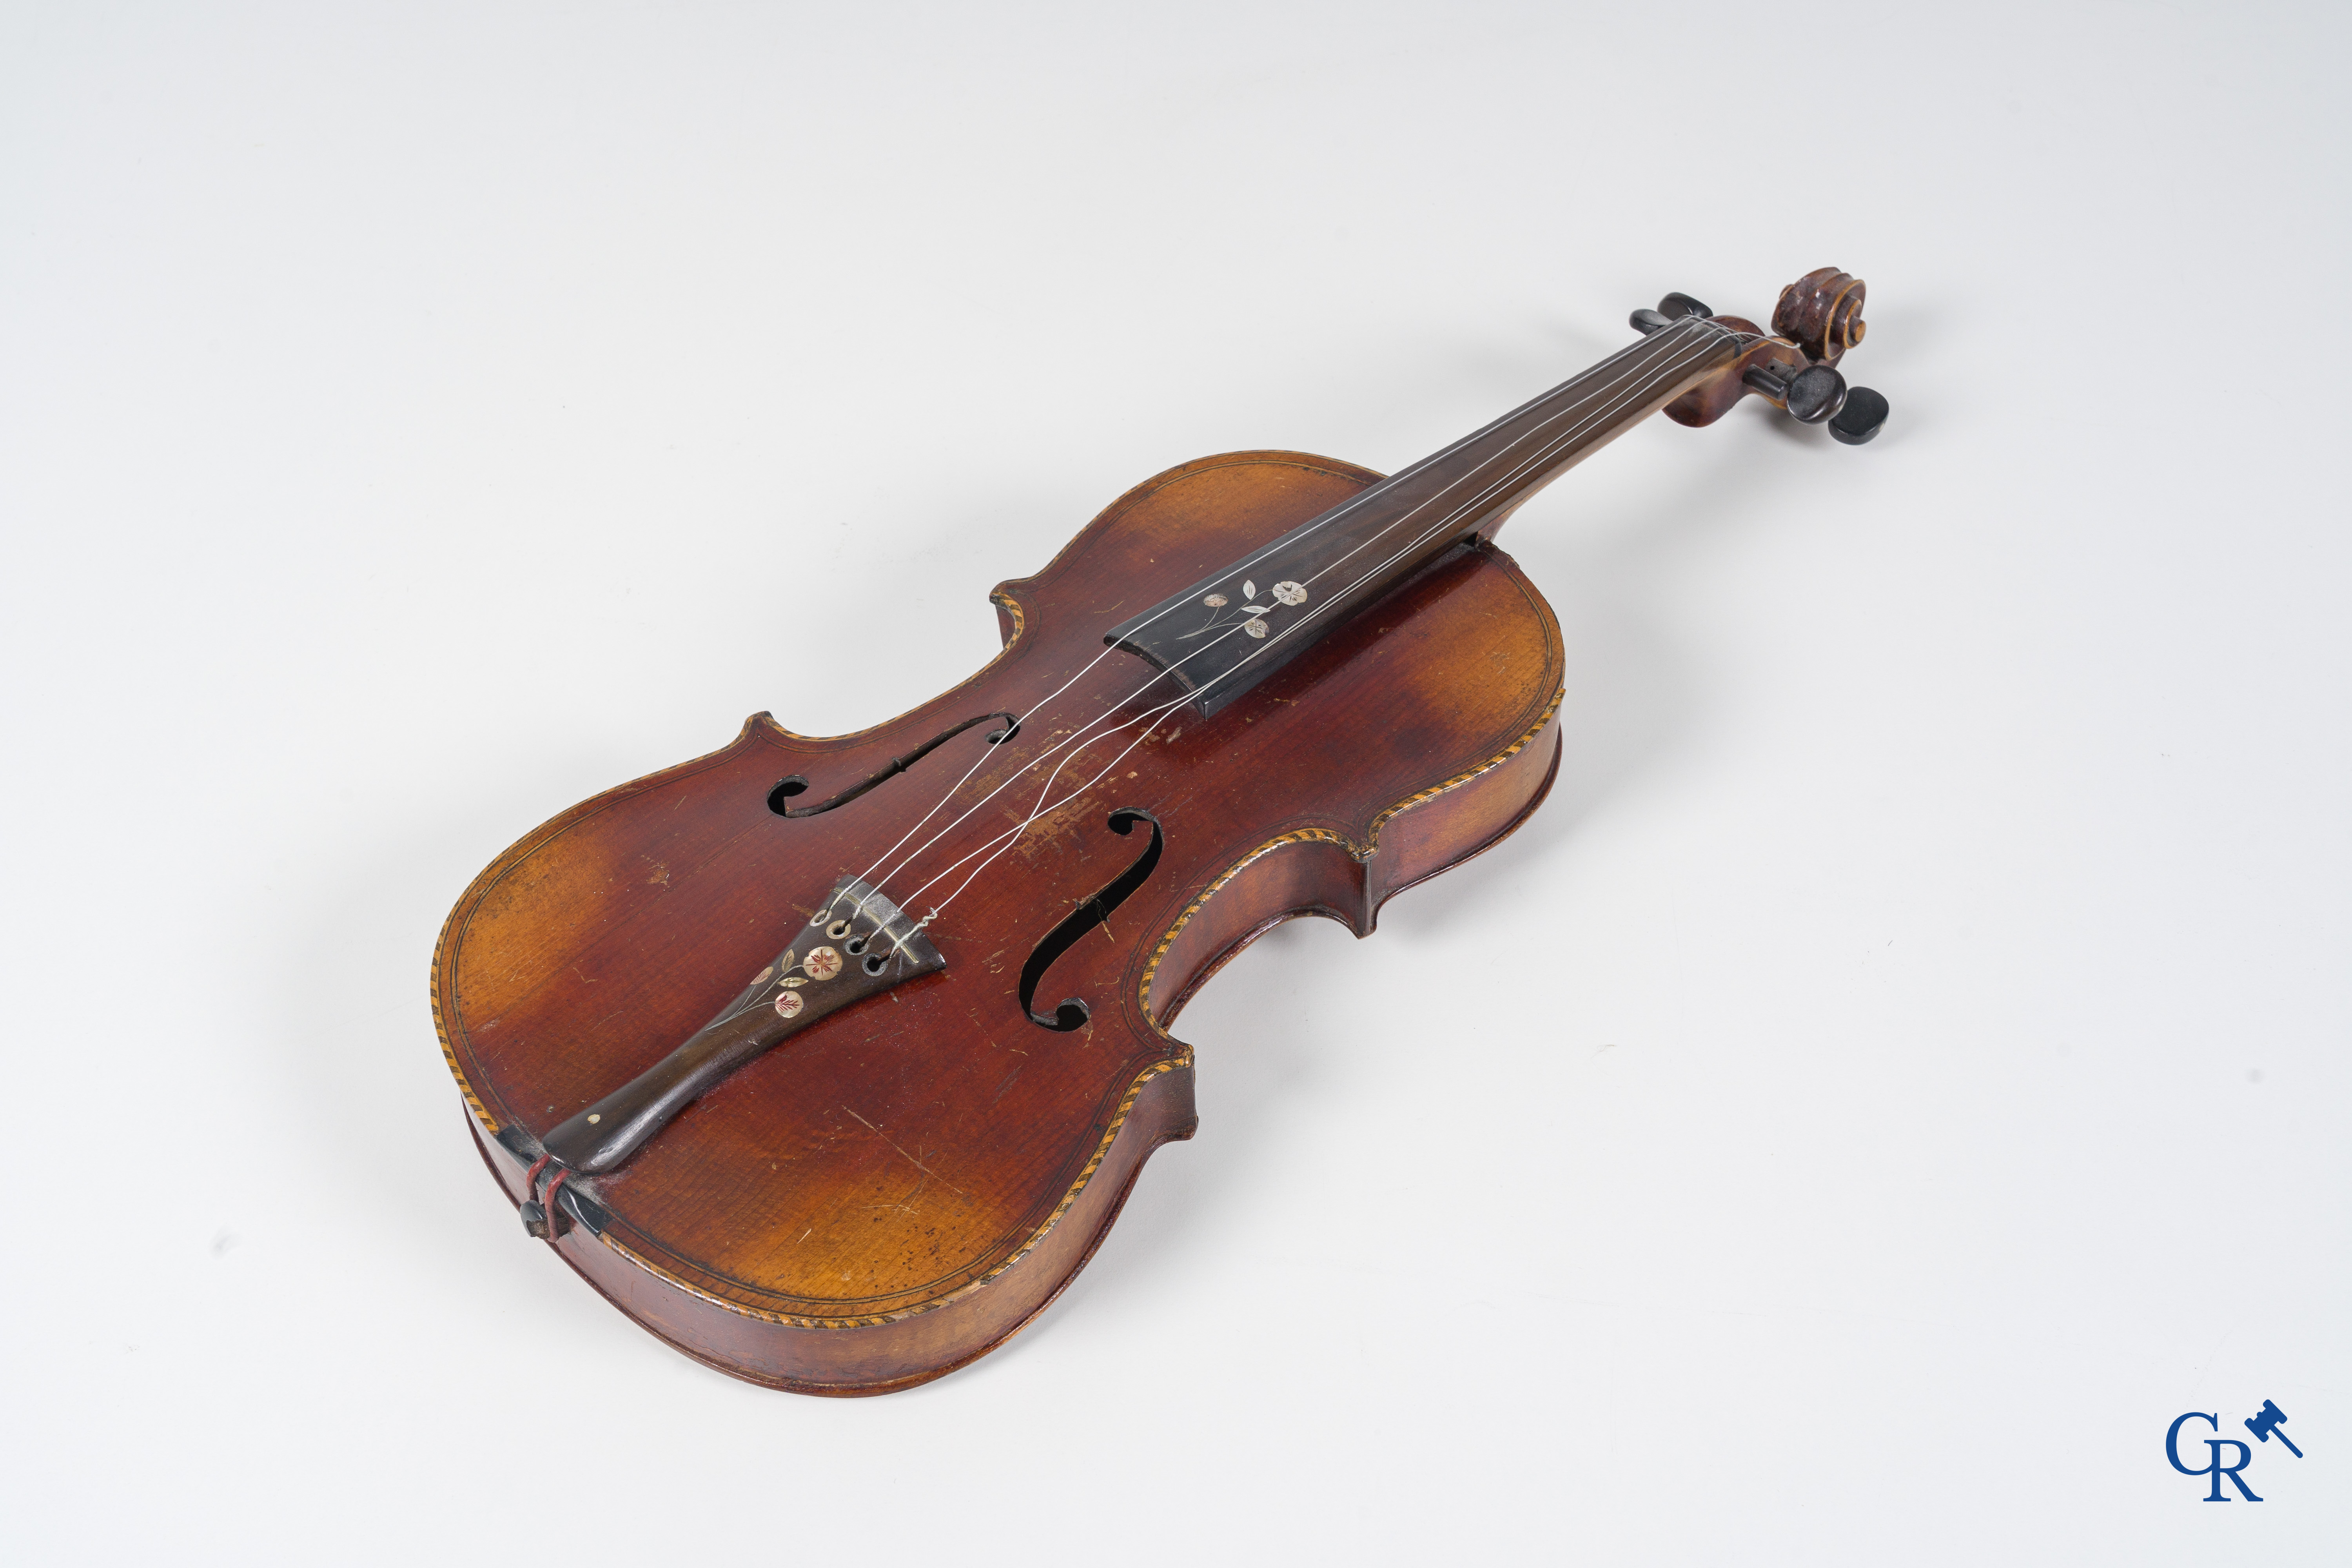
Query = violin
x=794 y=1051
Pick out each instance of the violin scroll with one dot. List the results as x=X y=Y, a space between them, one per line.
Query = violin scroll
x=1818 y=319
x=1821 y=313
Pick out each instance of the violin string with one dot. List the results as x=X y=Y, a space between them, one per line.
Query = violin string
x=875 y=887
x=1656 y=350
x=1543 y=454
x=1043 y=809
x=1012 y=834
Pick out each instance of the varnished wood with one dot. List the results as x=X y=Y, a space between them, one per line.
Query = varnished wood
x=909 y=1180
x=1821 y=313
x=1714 y=397
x=856 y=946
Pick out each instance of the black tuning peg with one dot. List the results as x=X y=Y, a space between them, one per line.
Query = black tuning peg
x=1815 y=393
x=1810 y=395
x=1864 y=414
x=1671 y=309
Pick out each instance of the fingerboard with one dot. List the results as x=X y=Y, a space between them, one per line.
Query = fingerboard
x=1232 y=629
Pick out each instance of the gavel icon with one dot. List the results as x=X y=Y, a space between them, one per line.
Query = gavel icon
x=2266 y=1426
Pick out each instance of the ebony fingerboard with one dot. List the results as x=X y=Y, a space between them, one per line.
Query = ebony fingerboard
x=1232 y=629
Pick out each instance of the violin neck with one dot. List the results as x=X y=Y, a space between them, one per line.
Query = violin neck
x=1234 y=628
x=1480 y=480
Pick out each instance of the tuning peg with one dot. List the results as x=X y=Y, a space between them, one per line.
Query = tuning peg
x=1675 y=307
x=1815 y=393
x=1861 y=418
x=1810 y=395
x=1646 y=321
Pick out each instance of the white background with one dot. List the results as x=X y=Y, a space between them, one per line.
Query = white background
x=1901 y=1068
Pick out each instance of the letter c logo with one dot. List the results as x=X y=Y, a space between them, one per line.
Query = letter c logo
x=2172 y=1443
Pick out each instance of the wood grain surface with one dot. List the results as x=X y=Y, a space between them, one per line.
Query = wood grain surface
x=901 y=1186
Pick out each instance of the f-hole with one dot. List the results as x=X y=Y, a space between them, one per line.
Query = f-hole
x=781 y=797
x=1072 y=1013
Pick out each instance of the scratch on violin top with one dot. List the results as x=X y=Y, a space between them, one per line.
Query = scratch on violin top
x=909 y=1158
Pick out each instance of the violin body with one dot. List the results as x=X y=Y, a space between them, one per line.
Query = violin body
x=905 y=1184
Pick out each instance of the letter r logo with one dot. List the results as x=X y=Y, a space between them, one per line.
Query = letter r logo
x=2216 y=1469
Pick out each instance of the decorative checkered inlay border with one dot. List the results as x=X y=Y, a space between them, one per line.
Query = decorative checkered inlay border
x=1331 y=835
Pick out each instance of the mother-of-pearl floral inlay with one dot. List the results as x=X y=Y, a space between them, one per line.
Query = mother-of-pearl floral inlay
x=822 y=964
x=1251 y=616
